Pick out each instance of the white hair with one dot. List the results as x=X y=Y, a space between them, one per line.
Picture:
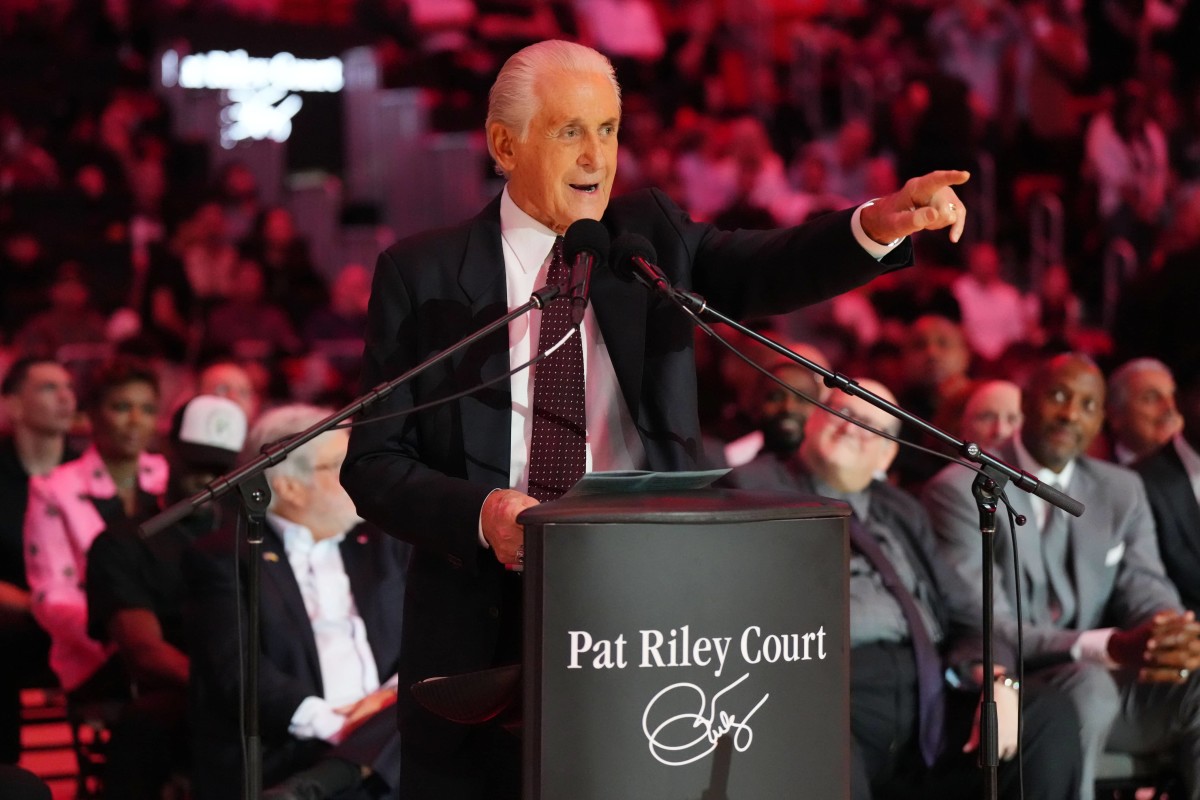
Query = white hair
x=1118 y=384
x=279 y=424
x=513 y=100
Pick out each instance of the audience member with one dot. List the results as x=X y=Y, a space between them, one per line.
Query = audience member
x=936 y=359
x=290 y=278
x=1172 y=478
x=40 y=405
x=1126 y=155
x=910 y=734
x=230 y=379
x=202 y=244
x=71 y=318
x=1133 y=686
x=1140 y=411
x=248 y=325
x=135 y=596
x=992 y=314
x=773 y=410
x=114 y=480
x=782 y=414
x=1054 y=313
x=992 y=414
x=328 y=684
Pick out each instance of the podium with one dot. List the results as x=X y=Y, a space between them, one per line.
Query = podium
x=686 y=646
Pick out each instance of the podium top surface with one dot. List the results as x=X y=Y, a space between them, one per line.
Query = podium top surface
x=714 y=506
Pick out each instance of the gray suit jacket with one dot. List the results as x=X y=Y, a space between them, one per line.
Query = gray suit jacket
x=1115 y=566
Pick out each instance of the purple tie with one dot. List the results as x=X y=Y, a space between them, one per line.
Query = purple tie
x=931 y=712
x=557 y=454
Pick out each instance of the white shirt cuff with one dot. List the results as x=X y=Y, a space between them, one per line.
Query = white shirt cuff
x=873 y=248
x=1093 y=646
x=482 y=541
x=314 y=718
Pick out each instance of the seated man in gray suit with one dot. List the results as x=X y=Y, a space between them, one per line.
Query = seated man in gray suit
x=1102 y=622
x=911 y=735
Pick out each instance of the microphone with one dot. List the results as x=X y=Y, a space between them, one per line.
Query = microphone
x=584 y=243
x=633 y=258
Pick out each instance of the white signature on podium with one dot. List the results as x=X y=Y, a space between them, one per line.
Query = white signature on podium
x=664 y=735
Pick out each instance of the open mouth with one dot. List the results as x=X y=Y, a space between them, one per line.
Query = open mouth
x=586 y=188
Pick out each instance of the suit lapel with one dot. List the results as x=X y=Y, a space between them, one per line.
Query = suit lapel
x=1088 y=549
x=358 y=560
x=486 y=415
x=1179 y=494
x=279 y=578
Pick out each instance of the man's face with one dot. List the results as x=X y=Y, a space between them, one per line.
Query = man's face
x=935 y=351
x=992 y=414
x=782 y=413
x=233 y=382
x=1064 y=409
x=1148 y=418
x=843 y=454
x=45 y=402
x=330 y=507
x=123 y=422
x=564 y=169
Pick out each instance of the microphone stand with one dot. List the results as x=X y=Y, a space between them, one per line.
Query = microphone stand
x=251 y=483
x=988 y=486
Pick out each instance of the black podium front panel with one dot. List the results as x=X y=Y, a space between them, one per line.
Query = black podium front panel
x=686 y=661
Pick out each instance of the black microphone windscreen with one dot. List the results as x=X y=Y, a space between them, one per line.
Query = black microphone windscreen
x=625 y=248
x=585 y=236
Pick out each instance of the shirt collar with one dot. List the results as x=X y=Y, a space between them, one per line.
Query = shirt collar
x=526 y=239
x=1060 y=480
x=859 y=502
x=296 y=537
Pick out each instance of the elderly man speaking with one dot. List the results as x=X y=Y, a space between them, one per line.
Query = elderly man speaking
x=621 y=394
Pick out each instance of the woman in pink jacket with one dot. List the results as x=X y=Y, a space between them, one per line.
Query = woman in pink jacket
x=115 y=479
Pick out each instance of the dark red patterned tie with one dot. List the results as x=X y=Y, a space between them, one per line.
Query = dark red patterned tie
x=557 y=454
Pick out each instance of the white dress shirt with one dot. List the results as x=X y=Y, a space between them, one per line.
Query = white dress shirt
x=348 y=670
x=612 y=439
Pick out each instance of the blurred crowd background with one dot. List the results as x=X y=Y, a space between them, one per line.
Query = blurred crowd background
x=125 y=229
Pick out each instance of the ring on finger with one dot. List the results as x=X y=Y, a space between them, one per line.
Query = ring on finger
x=520 y=554
x=951 y=207
x=1184 y=673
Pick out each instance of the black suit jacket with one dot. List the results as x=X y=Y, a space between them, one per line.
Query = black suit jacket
x=1177 y=519
x=424 y=477
x=289 y=666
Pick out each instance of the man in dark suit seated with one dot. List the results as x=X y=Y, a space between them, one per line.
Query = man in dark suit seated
x=1172 y=477
x=904 y=637
x=1102 y=622
x=620 y=393
x=332 y=595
